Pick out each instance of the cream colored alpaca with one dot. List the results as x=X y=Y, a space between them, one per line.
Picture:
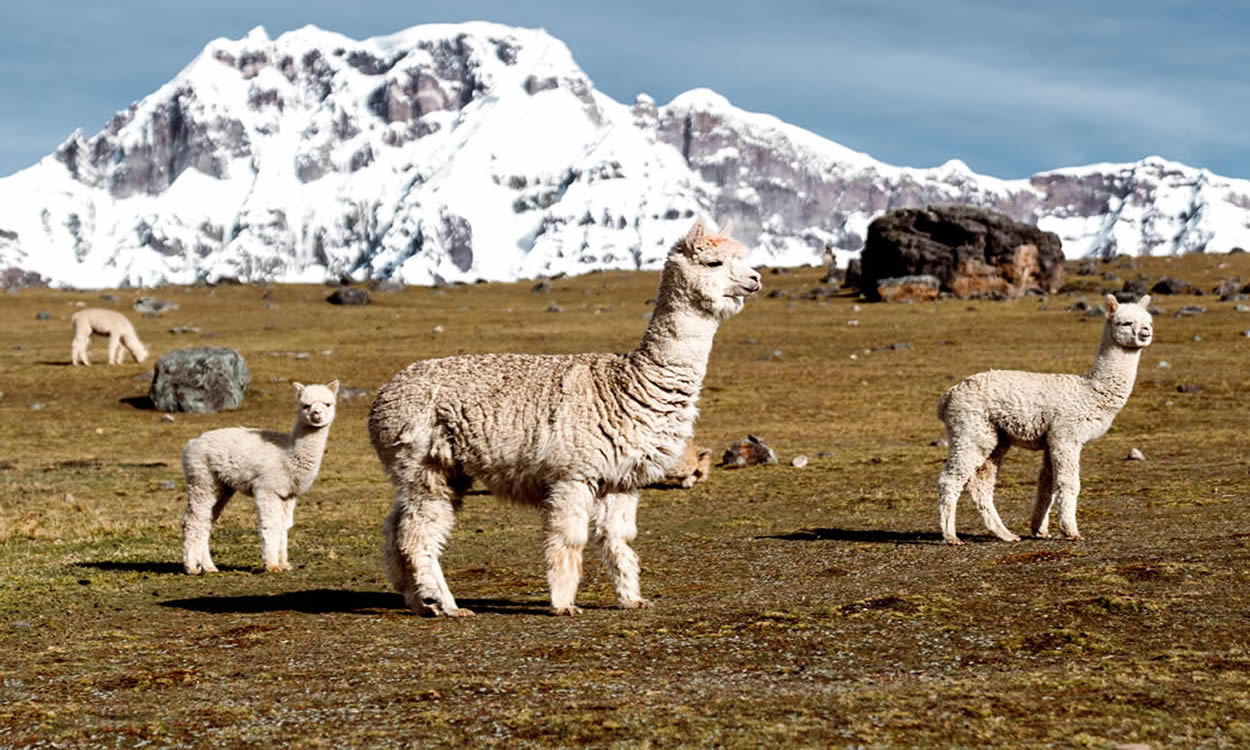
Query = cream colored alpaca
x=574 y=435
x=273 y=467
x=991 y=411
x=109 y=323
x=693 y=467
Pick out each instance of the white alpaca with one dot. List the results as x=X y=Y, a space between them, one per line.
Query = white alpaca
x=991 y=411
x=273 y=467
x=693 y=467
x=575 y=435
x=105 y=323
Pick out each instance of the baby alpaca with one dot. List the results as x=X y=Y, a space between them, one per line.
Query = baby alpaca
x=1057 y=414
x=574 y=435
x=273 y=467
x=695 y=463
x=105 y=323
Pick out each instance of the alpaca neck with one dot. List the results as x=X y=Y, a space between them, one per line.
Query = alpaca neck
x=308 y=445
x=678 y=340
x=1115 y=369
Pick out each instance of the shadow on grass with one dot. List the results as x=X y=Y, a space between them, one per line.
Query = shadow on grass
x=325 y=601
x=152 y=567
x=139 y=402
x=48 y=363
x=869 y=536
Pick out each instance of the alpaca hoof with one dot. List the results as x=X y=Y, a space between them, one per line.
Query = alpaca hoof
x=460 y=612
x=637 y=604
x=1010 y=538
x=563 y=611
x=953 y=541
x=1043 y=534
x=1072 y=537
x=277 y=568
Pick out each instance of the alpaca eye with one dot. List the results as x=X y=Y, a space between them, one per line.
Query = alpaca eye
x=715 y=263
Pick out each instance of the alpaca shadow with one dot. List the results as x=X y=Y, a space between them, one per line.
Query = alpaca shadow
x=59 y=363
x=328 y=601
x=160 y=568
x=139 y=402
x=867 y=536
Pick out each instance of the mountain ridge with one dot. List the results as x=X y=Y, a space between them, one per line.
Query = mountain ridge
x=456 y=152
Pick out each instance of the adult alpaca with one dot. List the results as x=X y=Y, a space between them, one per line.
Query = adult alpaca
x=109 y=323
x=991 y=411
x=273 y=467
x=575 y=435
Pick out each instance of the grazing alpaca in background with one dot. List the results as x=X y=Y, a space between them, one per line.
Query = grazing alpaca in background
x=991 y=411
x=273 y=467
x=105 y=323
x=575 y=435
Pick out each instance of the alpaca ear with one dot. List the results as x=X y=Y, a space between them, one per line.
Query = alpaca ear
x=1144 y=301
x=299 y=387
x=1112 y=304
x=696 y=233
x=729 y=227
x=333 y=385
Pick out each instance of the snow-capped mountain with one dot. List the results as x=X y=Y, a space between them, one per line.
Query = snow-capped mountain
x=480 y=151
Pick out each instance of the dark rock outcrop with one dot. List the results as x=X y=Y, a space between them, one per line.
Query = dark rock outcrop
x=203 y=379
x=971 y=251
x=349 y=295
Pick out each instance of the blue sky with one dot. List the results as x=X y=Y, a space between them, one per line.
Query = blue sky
x=1010 y=88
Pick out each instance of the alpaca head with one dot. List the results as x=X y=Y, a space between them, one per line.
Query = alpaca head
x=139 y=351
x=316 y=403
x=1129 y=324
x=709 y=273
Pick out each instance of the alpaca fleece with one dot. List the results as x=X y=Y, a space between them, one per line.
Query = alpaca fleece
x=273 y=467
x=121 y=333
x=574 y=435
x=1057 y=414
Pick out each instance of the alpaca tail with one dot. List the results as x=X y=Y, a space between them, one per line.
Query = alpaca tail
x=942 y=404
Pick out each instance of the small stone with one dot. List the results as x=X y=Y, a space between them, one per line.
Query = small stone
x=854 y=356
x=43 y=315
x=554 y=308
x=1246 y=332
x=68 y=498
x=349 y=295
x=1197 y=337
x=99 y=430
x=852 y=322
x=939 y=442
x=1164 y=363
x=1135 y=455
x=37 y=406
x=542 y=287
x=168 y=418
x=1241 y=308
x=1190 y=310
x=166 y=484
x=799 y=461
x=1188 y=388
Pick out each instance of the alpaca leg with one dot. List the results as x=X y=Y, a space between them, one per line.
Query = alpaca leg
x=981 y=488
x=115 y=349
x=1066 y=466
x=1045 y=497
x=566 y=518
x=78 y=349
x=414 y=533
x=288 y=513
x=204 y=503
x=967 y=452
x=272 y=529
x=615 y=527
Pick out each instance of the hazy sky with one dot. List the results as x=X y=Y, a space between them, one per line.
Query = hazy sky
x=1009 y=89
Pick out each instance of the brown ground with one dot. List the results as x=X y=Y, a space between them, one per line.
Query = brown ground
x=809 y=607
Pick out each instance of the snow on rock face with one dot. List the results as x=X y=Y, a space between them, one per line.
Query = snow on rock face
x=459 y=152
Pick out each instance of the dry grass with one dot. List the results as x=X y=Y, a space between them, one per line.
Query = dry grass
x=807 y=607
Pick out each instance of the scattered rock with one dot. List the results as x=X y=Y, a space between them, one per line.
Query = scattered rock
x=1188 y=388
x=1164 y=363
x=1228 y=289
x=1189 y=311
x=43 y=315
x=37 y=406
x=348 y=295
x=153 y=306
x=1134 y=288
x=1246 y=332
x=922 y=287
x=168 y=418
x=554 y=308
x=542 y=287
x=347 y=394
x=438 y=328
x=939 y=442
x=1241 y=308
x=799 y=461
x=166 y=484
x=386 y=286
x=68 y=498
x=185 y=329
x=1168 y=285
x=203 y=379
x=1079 y=306
x=1135 y=455
x=749 y=452
x=110 y=298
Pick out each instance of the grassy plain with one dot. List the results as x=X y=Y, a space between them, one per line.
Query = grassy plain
x=804 y=607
